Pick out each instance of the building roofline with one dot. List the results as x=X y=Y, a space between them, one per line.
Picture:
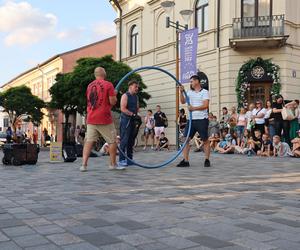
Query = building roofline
x=54 y=57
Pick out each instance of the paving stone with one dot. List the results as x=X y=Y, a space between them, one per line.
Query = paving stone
x=30 y=240
x=9 y=245
x=64 y=239
x=286 y=222
x=177 y=242
x=82 y=229
x=118 y=246
x=135 y=239
x=108 y=207
x=10 y=223
x=253 y=244
x=115 y=230
x=181 y=232
x=43 y=211
x=44 y=247
x=18 y=231
x=285 y=245
x=37 y=222
x=153 y=246
x=80 y=246
x=3 y=237
x=100 y=239
x=256 y=227
x=132 y=225
x=67 y=222
x=49 y=229
x=210 y=241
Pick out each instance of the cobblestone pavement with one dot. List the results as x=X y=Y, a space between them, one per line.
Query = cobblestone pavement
x=239 y=203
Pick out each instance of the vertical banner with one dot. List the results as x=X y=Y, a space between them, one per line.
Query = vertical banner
x=56 y=152
x=188 y=54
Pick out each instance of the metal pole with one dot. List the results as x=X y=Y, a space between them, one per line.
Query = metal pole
x=176 y=88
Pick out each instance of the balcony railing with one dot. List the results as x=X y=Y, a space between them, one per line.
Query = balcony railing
x=255 y=27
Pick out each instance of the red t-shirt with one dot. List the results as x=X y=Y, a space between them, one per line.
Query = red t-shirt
x=98 y=106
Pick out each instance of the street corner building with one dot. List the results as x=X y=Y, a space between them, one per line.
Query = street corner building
x=42 y=77
x=248 y=49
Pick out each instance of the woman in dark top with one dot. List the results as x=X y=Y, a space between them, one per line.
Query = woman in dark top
x=182 y=119
x=282 y=127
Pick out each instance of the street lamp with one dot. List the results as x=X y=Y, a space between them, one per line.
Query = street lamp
x=168 y=7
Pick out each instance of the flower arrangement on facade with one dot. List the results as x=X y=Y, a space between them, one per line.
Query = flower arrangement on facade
x=243 y=86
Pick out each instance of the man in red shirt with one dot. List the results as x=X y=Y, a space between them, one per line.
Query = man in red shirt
x=101 y=97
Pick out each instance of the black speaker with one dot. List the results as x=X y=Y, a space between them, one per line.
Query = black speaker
x=79 y=150
x=69 y=153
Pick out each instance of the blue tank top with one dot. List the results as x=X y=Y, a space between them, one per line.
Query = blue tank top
x=132 y=102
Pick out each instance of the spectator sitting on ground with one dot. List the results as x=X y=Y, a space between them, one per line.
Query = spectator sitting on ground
x=198 y=142
x=255 y=143
x=227 y=145
x=280 y=149
x=243 y=148
x=214 y=139
x=266 y=148
x=296 y=145
x=163 y=142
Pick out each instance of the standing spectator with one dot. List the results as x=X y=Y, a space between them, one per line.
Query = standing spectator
x=149 y=128
x=224 y=121
x=160 y=119
x=182 y=119
x=199 y=103
x=241 y=125
x=35 y=136
x=248 y=116
x=129 y=109
x=9 y=135
x=294 y=125
x=101 y=97
x=77 y=131
x=280 y=149
x=233 y=119
x=258 y=115
x=19 y=135
x=269 y=120
x=282 y=127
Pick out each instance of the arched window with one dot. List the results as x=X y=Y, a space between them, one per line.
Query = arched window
x=133 y=40
x=201 y=17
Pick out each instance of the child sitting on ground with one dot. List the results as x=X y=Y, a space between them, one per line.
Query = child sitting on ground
x=255 y=143
x=163 y=142
x=296 y=145
x=266 y=148
x=214 y=139
x=243 y=148
x=198 y=142
x=227 y=145
x=280 y=149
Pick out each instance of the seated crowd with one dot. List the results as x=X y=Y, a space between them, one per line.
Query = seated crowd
x=257 y=131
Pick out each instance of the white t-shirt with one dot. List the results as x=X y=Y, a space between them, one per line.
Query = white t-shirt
x=196 y=100
x=259 y=112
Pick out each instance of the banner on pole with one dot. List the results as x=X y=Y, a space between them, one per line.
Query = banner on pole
x=188 y=54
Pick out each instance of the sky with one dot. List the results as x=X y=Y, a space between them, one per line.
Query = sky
x=31 y=31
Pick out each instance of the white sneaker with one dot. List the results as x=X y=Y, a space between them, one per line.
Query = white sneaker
x=119 y=167
x=83 y=169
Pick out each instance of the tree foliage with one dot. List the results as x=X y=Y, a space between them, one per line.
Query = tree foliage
x=20 y=103
x=72 y=95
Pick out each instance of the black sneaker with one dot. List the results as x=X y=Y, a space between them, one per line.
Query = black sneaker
x=207 y=163
x=183 y=164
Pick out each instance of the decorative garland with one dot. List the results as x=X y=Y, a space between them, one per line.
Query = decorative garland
x=242 y=85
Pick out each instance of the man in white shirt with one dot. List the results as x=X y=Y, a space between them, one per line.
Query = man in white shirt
x=199 y=103
x=258 y=114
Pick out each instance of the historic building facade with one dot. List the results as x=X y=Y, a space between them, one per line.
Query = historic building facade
x=236 y=39
x=42 y=77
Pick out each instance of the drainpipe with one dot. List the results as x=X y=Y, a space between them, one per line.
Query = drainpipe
x=218 y=58
x=116 y=3
x=42 y=97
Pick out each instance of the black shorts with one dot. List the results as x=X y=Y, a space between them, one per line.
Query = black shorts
x=200 y=126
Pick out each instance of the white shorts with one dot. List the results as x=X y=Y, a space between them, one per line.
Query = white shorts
x=158 y=131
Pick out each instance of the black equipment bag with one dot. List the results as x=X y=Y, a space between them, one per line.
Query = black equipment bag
x=69 y=153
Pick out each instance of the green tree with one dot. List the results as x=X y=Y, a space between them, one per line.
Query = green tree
x=83 y=74
x=20 y=103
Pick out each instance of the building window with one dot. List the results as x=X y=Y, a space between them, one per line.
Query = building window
x=133 y=40
x=256 y=12
x=5 y=123
x=201 y=17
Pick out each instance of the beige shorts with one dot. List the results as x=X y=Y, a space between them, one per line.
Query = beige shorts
x=107 y=131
